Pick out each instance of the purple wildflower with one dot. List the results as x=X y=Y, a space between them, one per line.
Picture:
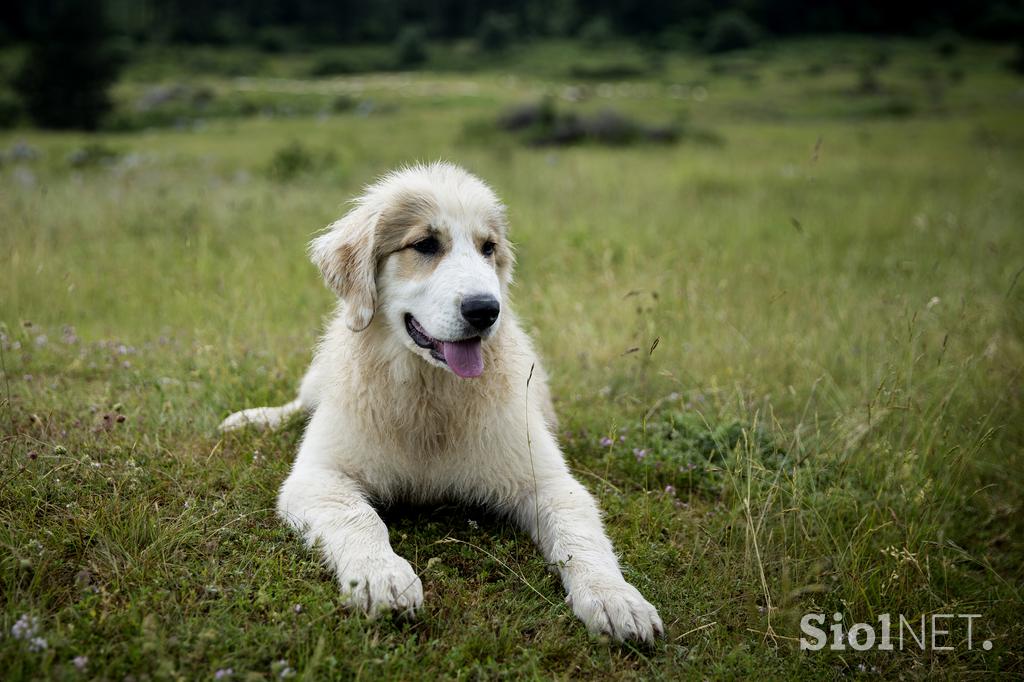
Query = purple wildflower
x=26 y=627
x=606 y=442
x=639 y=453
x=223 y=673
x=80 y=662
x=670 y=490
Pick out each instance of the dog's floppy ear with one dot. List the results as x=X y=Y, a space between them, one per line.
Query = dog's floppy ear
x=346 y=257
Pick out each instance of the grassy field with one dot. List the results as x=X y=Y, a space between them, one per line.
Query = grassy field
x=786 y=353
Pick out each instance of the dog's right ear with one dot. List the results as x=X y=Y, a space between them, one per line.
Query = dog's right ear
x=346 y=257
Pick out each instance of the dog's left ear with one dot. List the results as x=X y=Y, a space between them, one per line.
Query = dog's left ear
x=347 y=259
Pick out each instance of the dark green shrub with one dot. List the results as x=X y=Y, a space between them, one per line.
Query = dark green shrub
x=881 y=58
x=352 y=61
x=614 y=68
x=596 y=32
x=411 y=46
x=868 y=82
x=947 y=44
x=92 y=154
x=290 y=161
x=542 y=124
x=11 y=110
x=815 y=69
x=333 y=65
x=611 y=69
x=343 y=103
x=732 y=30
x=276 y=39
x=496 y=32
x=674 y=38
x=525 y=116
x=890 y=107
x=1016 y=62
x=295 y=159
x=69 y=68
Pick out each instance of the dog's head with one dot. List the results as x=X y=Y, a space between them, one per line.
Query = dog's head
x=424 y=251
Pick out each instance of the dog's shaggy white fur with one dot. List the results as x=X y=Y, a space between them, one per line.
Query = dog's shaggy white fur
x=413 y=397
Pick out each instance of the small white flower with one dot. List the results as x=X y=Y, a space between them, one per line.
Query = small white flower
x=80 y=662
x=26 y=627
x=284 y=671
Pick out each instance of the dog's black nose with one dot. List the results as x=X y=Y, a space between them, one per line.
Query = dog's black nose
x=480 y=311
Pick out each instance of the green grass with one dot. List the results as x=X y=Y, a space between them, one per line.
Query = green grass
x=835 y=393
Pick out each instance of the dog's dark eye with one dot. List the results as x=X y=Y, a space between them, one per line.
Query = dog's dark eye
x=488 y=249
x=428 y=246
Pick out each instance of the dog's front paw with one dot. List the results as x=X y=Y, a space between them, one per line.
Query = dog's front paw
x=375 y=585
x=615 y=608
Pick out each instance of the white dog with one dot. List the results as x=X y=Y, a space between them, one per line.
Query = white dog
x=425 y=387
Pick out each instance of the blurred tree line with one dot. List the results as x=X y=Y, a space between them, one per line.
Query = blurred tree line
x=282 y=24
x=76 y=47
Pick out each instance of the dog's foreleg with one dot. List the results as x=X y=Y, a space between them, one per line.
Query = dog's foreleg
x=331 y=512
x=564 y=521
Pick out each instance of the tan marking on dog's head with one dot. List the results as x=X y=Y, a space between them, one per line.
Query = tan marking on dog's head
x=408 y=214
x=495 y=234
x=411 y=220
x=414 y=265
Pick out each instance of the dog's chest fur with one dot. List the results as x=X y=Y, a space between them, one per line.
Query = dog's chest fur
x=430 y=432
x=424 y=412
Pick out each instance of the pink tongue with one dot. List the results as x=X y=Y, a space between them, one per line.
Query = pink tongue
x=464 y=357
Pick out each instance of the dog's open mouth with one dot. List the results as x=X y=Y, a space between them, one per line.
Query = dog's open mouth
x=464 y=357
